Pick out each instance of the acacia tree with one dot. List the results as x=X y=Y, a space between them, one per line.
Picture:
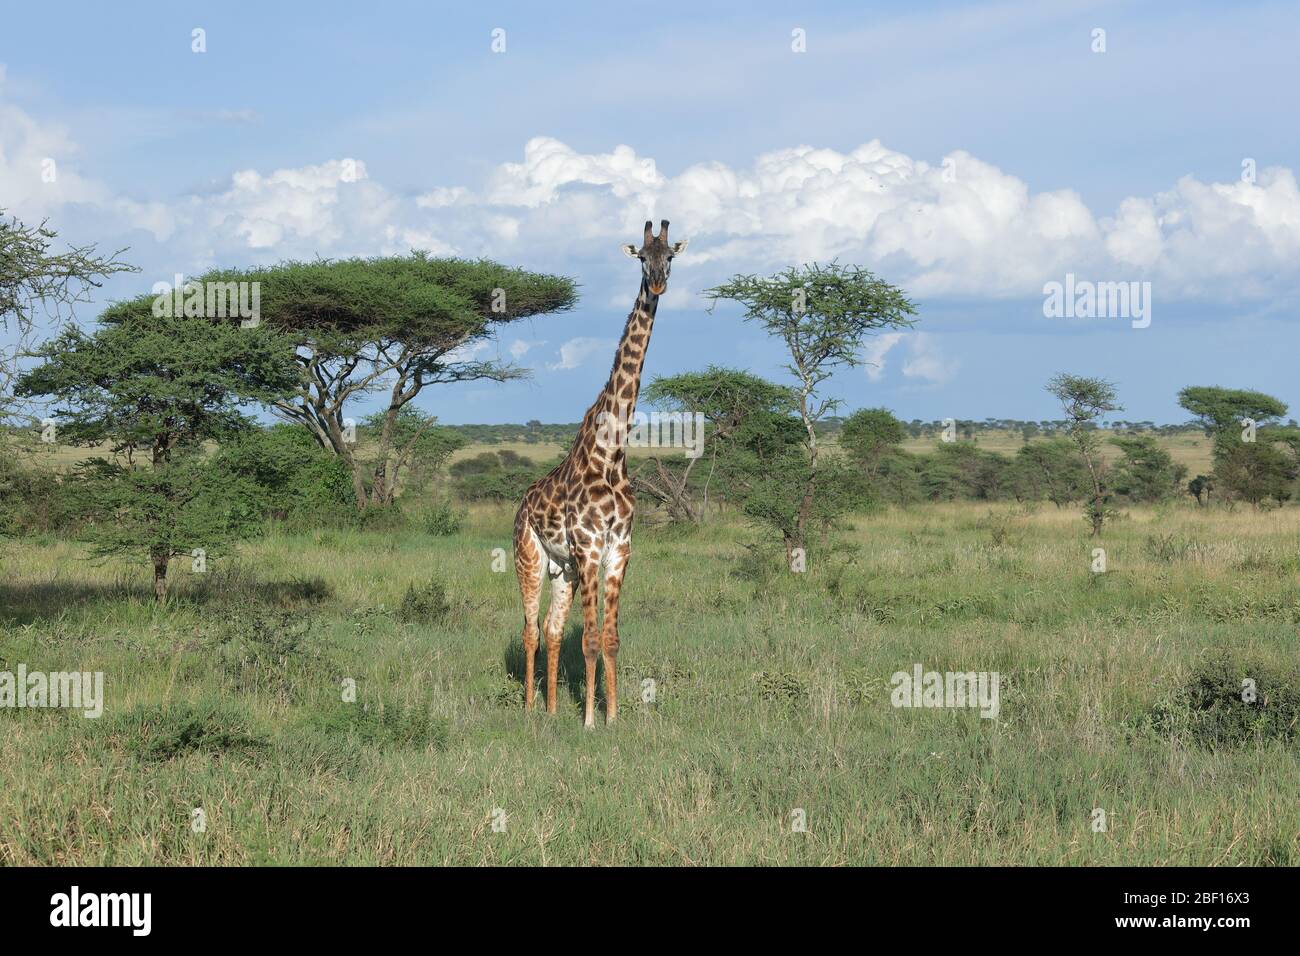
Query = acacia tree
x=1083 y=400
x=1220 y=411
x=823 y=314
x=415 y=444
x=1146 y=472
x=155 y=389
x=37 y=281
x=393 y=324
x=725 y=397
x=869 y=435
x=1049 y=469
x=1254 y=456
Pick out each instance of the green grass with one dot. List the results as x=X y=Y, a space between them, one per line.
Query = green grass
x=772 y=694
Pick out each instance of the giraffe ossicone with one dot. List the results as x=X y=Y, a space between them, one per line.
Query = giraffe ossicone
x=575 y=524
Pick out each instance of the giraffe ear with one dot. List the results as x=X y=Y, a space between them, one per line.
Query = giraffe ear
x=630 y=251
x=680 y=247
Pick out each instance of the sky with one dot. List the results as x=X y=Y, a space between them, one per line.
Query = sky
x=971 y=154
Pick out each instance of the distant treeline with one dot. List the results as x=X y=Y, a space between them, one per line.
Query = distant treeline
x=537 y=433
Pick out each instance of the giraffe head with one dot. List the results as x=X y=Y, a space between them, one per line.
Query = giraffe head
x=656 y=256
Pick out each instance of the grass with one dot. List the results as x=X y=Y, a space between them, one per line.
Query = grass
x=770 y=695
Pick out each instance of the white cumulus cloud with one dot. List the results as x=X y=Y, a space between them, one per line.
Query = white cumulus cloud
x=576 y=351
x=955 y=227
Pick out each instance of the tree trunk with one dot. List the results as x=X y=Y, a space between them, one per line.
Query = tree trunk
x=806 y=503
x=160 y=560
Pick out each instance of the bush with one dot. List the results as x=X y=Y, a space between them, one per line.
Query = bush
x=501 y=476
x=1146 y=473
x=959 y=470
x=1255 y=471
x=300 y=481
x=32 y=500
x=1216 y=708
x=162 y=733
x=425 y=604
x=381 y=726
x=442 y=520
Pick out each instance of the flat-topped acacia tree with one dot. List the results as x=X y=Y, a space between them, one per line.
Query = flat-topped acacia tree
x=398 y=323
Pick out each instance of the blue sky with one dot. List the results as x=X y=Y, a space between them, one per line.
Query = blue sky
x=968 y=153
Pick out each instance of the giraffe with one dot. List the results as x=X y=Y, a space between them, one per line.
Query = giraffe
x=578 y=518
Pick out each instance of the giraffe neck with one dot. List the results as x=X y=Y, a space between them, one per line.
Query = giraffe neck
x=618 y=398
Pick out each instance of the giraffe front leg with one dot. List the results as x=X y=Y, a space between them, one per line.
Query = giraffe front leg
x=589 y=583
x=616 y=568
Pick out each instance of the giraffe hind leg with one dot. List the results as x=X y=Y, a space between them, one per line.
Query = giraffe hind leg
x=561 y=598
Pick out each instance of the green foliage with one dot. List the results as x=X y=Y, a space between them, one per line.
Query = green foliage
x=297 y=480
x=869 y=434
x=156 y=733
x=407 y=443
x=380 y=725
x=1050 y=469
x=426 y=603
x=36 y=280
x=351 y=303
x=958 y=470
x=1146 y=473
x=533 y=433
x=825 y=309
x=781 y=687
x=501 y=476
x=1231 y=701
x=148 y=385
x=1220 y=410
x=1084 y=400
x=158 y=388
x=187 y=502
x=402 y=323
x=822 y=313
x=441 y=519
x=1255 y=471
x=725 y=398
x=33 y=500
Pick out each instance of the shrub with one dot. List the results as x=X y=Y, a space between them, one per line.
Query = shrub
x=1216 y=707
x=154 y=732
x=494 y=476
x=381 y=725
x=33 y=501
x=781 y=686
x=1146 y=472
x=425 y=604
x=442 y=520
